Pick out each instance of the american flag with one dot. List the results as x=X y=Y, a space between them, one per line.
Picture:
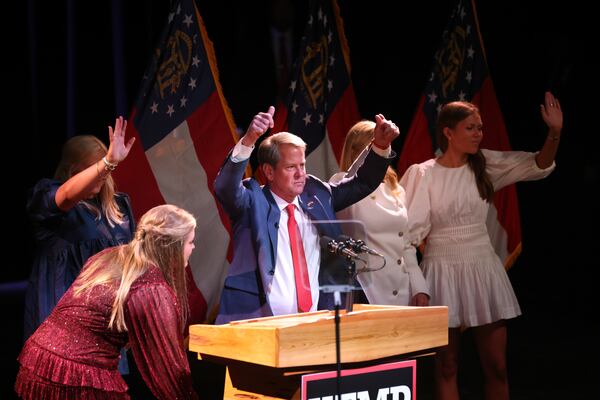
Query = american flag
x=460 y=72
x=184 y=130
x=321 y=106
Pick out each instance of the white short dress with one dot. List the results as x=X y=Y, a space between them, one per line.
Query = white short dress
x=459 y=262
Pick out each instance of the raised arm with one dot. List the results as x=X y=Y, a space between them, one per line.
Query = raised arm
x=553 y=117
x=83 y=184
x=259 y=125
x=385 y=132
x=228 y=183
x=371 y=172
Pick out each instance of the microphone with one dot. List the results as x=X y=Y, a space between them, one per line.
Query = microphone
x=358 y=246
x=340 y=249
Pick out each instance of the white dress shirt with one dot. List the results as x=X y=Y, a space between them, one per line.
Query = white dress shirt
x=282 y=293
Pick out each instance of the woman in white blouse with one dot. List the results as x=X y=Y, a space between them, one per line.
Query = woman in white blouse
x=384 y=216
x=448 y=199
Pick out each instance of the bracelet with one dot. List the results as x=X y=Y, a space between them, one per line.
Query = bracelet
x=108 y=166
x=376 y=145
x=554 y=138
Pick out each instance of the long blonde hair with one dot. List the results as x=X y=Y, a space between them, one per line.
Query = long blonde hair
x=78 y=153
x=159 y=240
x=357 y=138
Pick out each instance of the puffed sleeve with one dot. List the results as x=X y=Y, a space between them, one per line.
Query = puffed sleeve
x=508 y=167
x=415 y=182
x=41 y=203
x=156 y=340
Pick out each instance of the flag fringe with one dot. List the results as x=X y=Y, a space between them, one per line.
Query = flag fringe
x=342 y=35
x=512 y=257
x=212 y=60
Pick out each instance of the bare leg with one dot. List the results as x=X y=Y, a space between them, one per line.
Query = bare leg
x=446 y=366
x=491 y=345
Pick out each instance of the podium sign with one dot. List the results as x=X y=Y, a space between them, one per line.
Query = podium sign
x=384 y=381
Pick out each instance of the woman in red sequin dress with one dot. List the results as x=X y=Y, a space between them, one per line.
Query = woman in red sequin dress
x=131 y=294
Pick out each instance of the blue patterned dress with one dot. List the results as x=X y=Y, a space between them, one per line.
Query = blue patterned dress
x=63 y=243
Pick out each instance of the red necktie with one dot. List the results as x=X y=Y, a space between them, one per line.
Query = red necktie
x=303 y=291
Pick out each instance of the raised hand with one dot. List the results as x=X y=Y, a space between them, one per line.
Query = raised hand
x=385 y=132
x=118 y=150
x=259 y=125
x=552 y=113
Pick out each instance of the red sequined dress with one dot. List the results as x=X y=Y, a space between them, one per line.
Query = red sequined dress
x=73 y=354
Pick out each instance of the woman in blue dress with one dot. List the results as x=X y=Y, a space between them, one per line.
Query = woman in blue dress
x=74 y=216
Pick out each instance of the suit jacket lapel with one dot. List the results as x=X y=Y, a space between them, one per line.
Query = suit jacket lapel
x=273 y=216
x=312 y=206
x=315 y=209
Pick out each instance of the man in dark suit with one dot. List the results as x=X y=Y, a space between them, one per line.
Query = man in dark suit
x=275 y=267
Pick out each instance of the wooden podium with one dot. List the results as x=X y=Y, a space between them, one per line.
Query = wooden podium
x=266 y=357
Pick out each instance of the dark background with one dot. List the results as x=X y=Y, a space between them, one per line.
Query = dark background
x=62 y=80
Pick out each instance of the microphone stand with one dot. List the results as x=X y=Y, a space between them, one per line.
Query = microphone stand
x=337 y=299
x=338 y=302
x=349 y=304
x=350 y=294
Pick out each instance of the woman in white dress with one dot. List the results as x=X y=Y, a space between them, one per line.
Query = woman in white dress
x=448 y=199
x=384 y=216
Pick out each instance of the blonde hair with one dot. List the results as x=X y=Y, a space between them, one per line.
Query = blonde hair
x=78 y=153
x=357 y=138
x=159 y=240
